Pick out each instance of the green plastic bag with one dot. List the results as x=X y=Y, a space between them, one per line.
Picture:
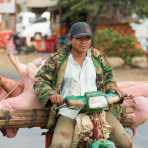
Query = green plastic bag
x=102 y=144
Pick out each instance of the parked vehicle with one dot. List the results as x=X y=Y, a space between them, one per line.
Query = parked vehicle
x=142 y=33
x=23 y=20
x=28 y=24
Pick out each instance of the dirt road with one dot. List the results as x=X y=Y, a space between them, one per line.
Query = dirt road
x=121 y=74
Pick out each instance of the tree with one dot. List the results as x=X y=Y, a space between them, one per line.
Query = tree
x=92 y=10
x=112 y=43
x=84 y=10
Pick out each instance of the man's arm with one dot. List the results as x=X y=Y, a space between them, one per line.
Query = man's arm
x=44 y=86
x=110 y=86
x=109 y=82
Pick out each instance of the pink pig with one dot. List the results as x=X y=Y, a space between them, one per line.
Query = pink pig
x=136 y=107
x=20 y=95
x=23 y=97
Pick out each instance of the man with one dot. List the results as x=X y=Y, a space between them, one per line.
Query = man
x=72 y=71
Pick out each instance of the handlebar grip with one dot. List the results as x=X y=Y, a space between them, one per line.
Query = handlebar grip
x=76 y=103
x=113 y=99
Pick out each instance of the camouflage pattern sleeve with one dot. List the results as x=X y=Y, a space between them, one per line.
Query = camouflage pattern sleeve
x=111 y=86
x=109 y=82
x=45 y=81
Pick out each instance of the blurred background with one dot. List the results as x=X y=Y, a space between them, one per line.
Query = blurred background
x=40 y=27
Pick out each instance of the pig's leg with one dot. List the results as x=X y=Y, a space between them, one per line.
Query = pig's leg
x=26 y=100
x=20 y=67
x=9 y=85
x=3 y=93
x=9 y=132
x=12 y=87
x=136 y=111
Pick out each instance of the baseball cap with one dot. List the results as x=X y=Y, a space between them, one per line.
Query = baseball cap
x=80 y=29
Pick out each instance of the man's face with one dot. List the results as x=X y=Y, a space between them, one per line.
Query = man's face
x=81 y=44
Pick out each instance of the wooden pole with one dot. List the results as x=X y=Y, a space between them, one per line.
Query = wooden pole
x=24 y=118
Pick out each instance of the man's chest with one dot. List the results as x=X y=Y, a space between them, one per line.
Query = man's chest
x=79 y=79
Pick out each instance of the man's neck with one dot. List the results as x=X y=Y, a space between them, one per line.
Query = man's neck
x=78 y=56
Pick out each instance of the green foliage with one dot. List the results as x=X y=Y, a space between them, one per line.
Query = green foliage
x=81 y=10
x=91 y=7
x=116 y=44
x=89 y=10
x=141 y=7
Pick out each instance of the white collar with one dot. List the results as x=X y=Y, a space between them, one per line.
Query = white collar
x=88 y=55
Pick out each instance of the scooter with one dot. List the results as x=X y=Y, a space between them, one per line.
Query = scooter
x=94 y=104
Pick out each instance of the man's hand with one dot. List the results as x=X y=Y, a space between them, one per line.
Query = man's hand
x=136 y=110
x=56 y=99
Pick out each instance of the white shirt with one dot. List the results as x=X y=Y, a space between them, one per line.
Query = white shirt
x=78 y=80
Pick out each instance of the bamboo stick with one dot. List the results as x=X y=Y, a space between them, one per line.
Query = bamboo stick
x=24 y=118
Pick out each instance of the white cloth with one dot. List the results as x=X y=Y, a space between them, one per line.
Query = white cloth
x=78 y=80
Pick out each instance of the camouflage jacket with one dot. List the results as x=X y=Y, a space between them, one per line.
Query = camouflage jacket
x=50 y=77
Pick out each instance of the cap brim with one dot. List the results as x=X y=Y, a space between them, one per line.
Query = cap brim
x=82 y=35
